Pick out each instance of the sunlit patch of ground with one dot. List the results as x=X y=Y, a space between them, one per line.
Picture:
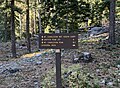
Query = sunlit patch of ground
x=33 y=54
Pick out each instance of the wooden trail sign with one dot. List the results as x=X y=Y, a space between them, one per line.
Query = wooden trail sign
x=59 y=41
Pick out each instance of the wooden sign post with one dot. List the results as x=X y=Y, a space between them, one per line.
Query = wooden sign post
x=59 y=41
x=58 y=69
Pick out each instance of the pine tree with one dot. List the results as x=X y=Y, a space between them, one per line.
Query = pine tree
x=112 y=22
x=13 y=39
x=27 y=27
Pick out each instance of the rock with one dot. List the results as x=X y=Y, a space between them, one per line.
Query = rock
x=103 y=82
x=110 y=83
x=39 y=63
x=38 y=55
x=67 y=74
x=13 y=87
x=23 y=44
x=30 y=60
x=17 y=45
x=118 y=66
x=85 y=56
x=11 y=67
x=23 y=47
x=118 y=80
x=75 y=60
x=12 y=70
x=39 y=49
x=2 y=69
x=47 y=59
x=46 y=53
x=97 y=70
x=90 y=76
x=52 y=83
x=97 y=30
x=36 y=84
x=62 y=54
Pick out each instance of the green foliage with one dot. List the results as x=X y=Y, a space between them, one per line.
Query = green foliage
x=71 y=14
x=118 y=9
x=2 y=35
x=72 y=77
x=59 y=14
x=5 y=7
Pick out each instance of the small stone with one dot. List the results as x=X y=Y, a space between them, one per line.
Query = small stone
x=75 y=60
x=38 y=55
x=87 y=55
x=7 y=71
x=67 y=74
x=110 y=83
x=118 y=80
x=47 y=58
x=23 y=44
x=22 y=47
x=118 y=66
x=36 y=84
x=30 y=60
x=14 y=70
x=62 y=54
x=39 y=49
x=97 y=70
x=39 y=63
x=52 y=83
x=103 y=82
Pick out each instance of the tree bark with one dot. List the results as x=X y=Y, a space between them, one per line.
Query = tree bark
x=27 y=27
x=5 y=24
x=13 y=40
x=20 y=21
x=67 y=19
x=35 y=19
x=40 y=27
x=5 y=27
x=112 y=22
x=32 y=23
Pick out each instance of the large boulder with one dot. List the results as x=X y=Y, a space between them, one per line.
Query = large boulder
x=97 y=30
x=82 y=57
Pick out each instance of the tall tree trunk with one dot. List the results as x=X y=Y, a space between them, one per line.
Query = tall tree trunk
x=13 y=40
x=27 y=27
x=5 y=24
x=35 y=30
x=112 y=22
x=67 y=19
x=40 y=26
x=20 y=21
x=32 y=23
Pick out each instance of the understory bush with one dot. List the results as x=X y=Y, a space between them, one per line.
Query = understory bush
x=72 y=77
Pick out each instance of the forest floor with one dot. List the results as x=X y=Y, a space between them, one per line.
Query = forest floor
x=27 y=69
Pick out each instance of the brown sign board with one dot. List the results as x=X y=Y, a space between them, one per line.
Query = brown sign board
x=59 y=41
